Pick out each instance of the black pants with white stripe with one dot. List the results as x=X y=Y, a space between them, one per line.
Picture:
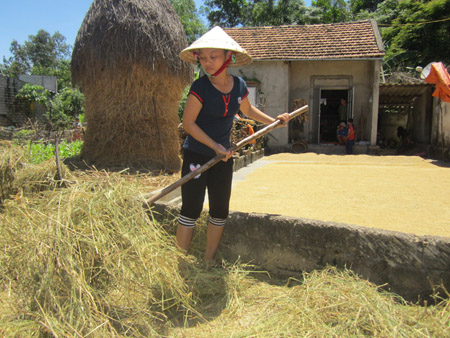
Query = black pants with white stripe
x=217 y=179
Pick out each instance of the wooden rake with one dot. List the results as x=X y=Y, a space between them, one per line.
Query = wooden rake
x=163 y=192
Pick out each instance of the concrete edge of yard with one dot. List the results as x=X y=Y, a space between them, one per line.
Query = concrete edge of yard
x=414 y=267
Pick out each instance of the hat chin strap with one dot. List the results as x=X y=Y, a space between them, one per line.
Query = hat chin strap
x=232 y=58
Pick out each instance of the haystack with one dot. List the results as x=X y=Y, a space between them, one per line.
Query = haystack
x=125 y=60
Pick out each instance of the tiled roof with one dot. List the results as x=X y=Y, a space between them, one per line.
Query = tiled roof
x=346 y=40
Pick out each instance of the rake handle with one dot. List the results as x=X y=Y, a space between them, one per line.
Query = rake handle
x=219 y=158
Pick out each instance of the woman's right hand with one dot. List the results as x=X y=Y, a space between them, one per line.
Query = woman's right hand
x=220 y=150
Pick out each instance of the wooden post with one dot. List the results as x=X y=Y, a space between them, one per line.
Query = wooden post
x=58 y=162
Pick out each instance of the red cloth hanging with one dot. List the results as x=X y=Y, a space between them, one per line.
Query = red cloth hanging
x=440 y=77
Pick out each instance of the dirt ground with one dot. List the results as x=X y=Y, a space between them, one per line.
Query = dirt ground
x=400 y=193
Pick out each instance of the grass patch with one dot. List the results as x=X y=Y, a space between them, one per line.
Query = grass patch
x=40 y=151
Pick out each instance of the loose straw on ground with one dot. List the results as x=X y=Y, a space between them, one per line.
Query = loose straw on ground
x=86 y=260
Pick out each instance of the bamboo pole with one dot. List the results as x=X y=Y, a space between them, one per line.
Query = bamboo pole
x=219 y=158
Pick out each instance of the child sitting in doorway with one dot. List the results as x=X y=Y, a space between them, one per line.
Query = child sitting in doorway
x=341 y=133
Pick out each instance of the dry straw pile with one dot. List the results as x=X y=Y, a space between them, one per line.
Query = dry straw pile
x=18 y=177
x=125 y=60
x=86 y=260
x=10 y=161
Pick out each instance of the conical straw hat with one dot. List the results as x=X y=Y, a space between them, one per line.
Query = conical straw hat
x=216 y=38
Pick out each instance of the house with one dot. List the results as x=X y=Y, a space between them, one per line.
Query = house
x=317 y=65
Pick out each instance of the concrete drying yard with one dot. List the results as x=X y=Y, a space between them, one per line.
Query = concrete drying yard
x=399 y=193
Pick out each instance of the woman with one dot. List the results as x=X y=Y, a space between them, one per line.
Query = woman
x=213 y=101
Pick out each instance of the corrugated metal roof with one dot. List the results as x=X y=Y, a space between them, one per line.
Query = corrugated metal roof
x=401 y=93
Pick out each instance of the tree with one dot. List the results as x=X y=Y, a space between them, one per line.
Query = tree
x=357 y=6
x=189 y=18
x=414 y=32
x=291 y=12
x=332 y=10
x=313 y=15
x=271 y=13
x=423 y=28
x=384 y=14
x=232 y=13
x=261 y=13
x=226 y=13
x=41 y=54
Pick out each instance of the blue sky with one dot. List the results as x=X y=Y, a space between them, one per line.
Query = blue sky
x=21 y=18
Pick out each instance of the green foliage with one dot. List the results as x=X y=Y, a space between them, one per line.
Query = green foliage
x=70 y=149
x=189 y=18
x=357 y=6
x=226 y=13
x=332 y=10
x=57 y=119
x=60 y=109
x=261 y=13
x=41 y=54
x=40 y=152
x=283 y=12
x=291 y=12
x=274 y=13
x=22 y=136
x=386 y=12
x=184 y=97
x=30 y=94
x=183 y=102
x=82 y=117
x=70 y=102
x=66 y=105
x=34 y=93
x=414 y=32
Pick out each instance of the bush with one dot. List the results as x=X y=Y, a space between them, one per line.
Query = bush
x=60 y=108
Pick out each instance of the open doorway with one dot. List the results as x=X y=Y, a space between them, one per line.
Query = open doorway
x=334 y=108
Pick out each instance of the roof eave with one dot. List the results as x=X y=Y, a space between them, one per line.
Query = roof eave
x=324 y=59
